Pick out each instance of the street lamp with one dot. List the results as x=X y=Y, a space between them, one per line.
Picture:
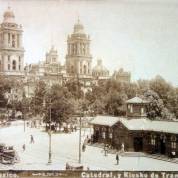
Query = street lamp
x=24 y=119
x=79 y=141
x=80 y=113
x=49 y=133
x=50 y=152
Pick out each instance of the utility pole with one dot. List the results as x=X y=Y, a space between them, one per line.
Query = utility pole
x=80 y=142
x=79 y=123
x=24 y=119
x=24 y=107
x=50 y=153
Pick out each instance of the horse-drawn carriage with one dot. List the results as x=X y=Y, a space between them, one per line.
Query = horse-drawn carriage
x=8 y=155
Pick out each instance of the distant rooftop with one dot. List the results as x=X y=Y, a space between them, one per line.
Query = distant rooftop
x=105 y=120
x=136 y=100
x=138 y=124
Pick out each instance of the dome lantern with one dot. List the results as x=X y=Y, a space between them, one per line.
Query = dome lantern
x=78 y=28
x=9 y=16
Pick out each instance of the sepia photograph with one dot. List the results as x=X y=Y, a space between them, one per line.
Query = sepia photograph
x=89 y=88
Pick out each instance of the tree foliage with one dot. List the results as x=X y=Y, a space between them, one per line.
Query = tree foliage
x=5 y=86
x=107 y=97
x=38 y=98
x=58 y=105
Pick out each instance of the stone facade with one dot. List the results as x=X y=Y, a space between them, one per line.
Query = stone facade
x=11 y=47
x=122 y=76
x=78 y=62
x=49 y=70
x=78 y=58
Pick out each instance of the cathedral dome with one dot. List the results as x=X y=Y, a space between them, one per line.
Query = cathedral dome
x=9 y=16
x=100 y=70
x=78 y=28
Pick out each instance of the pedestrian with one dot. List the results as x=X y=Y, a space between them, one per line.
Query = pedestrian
x=106 y=149
x=117 y=158
x=23 y=147
x=31 y=139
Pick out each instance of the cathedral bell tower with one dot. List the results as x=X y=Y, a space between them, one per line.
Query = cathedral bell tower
x=78 y=58
x=11 y=49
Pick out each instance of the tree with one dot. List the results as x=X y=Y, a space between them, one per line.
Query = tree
x=115 y=102
x=156 y=108
x=38 y=98
x=5 y=87
x=97 y=107
x=143 y=86
x=167 y=93
x=58 y=101
x=161 y=87
x=22 y=105
x=75 y=88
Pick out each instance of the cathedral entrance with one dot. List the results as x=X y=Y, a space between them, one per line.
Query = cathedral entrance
x=138 y=144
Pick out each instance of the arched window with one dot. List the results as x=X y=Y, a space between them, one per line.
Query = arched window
x=173 y=142
x=131 y=108
x=18 y=40
x=9 y=37
x=153 y=139
x=83 y=49
x=85 y=69
x=13 y=41
x=14 y=65
x=103 y=135
x=9 y=66
x=142 y=110
x=80 y=67
x=163 y=138
x=110 y=133
x=9 y=58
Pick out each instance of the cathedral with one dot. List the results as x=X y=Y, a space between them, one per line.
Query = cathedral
x=78 y=60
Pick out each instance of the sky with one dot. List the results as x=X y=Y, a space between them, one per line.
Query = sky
x=140 y=36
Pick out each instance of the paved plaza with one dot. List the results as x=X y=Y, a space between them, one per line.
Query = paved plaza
x=65 y=149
